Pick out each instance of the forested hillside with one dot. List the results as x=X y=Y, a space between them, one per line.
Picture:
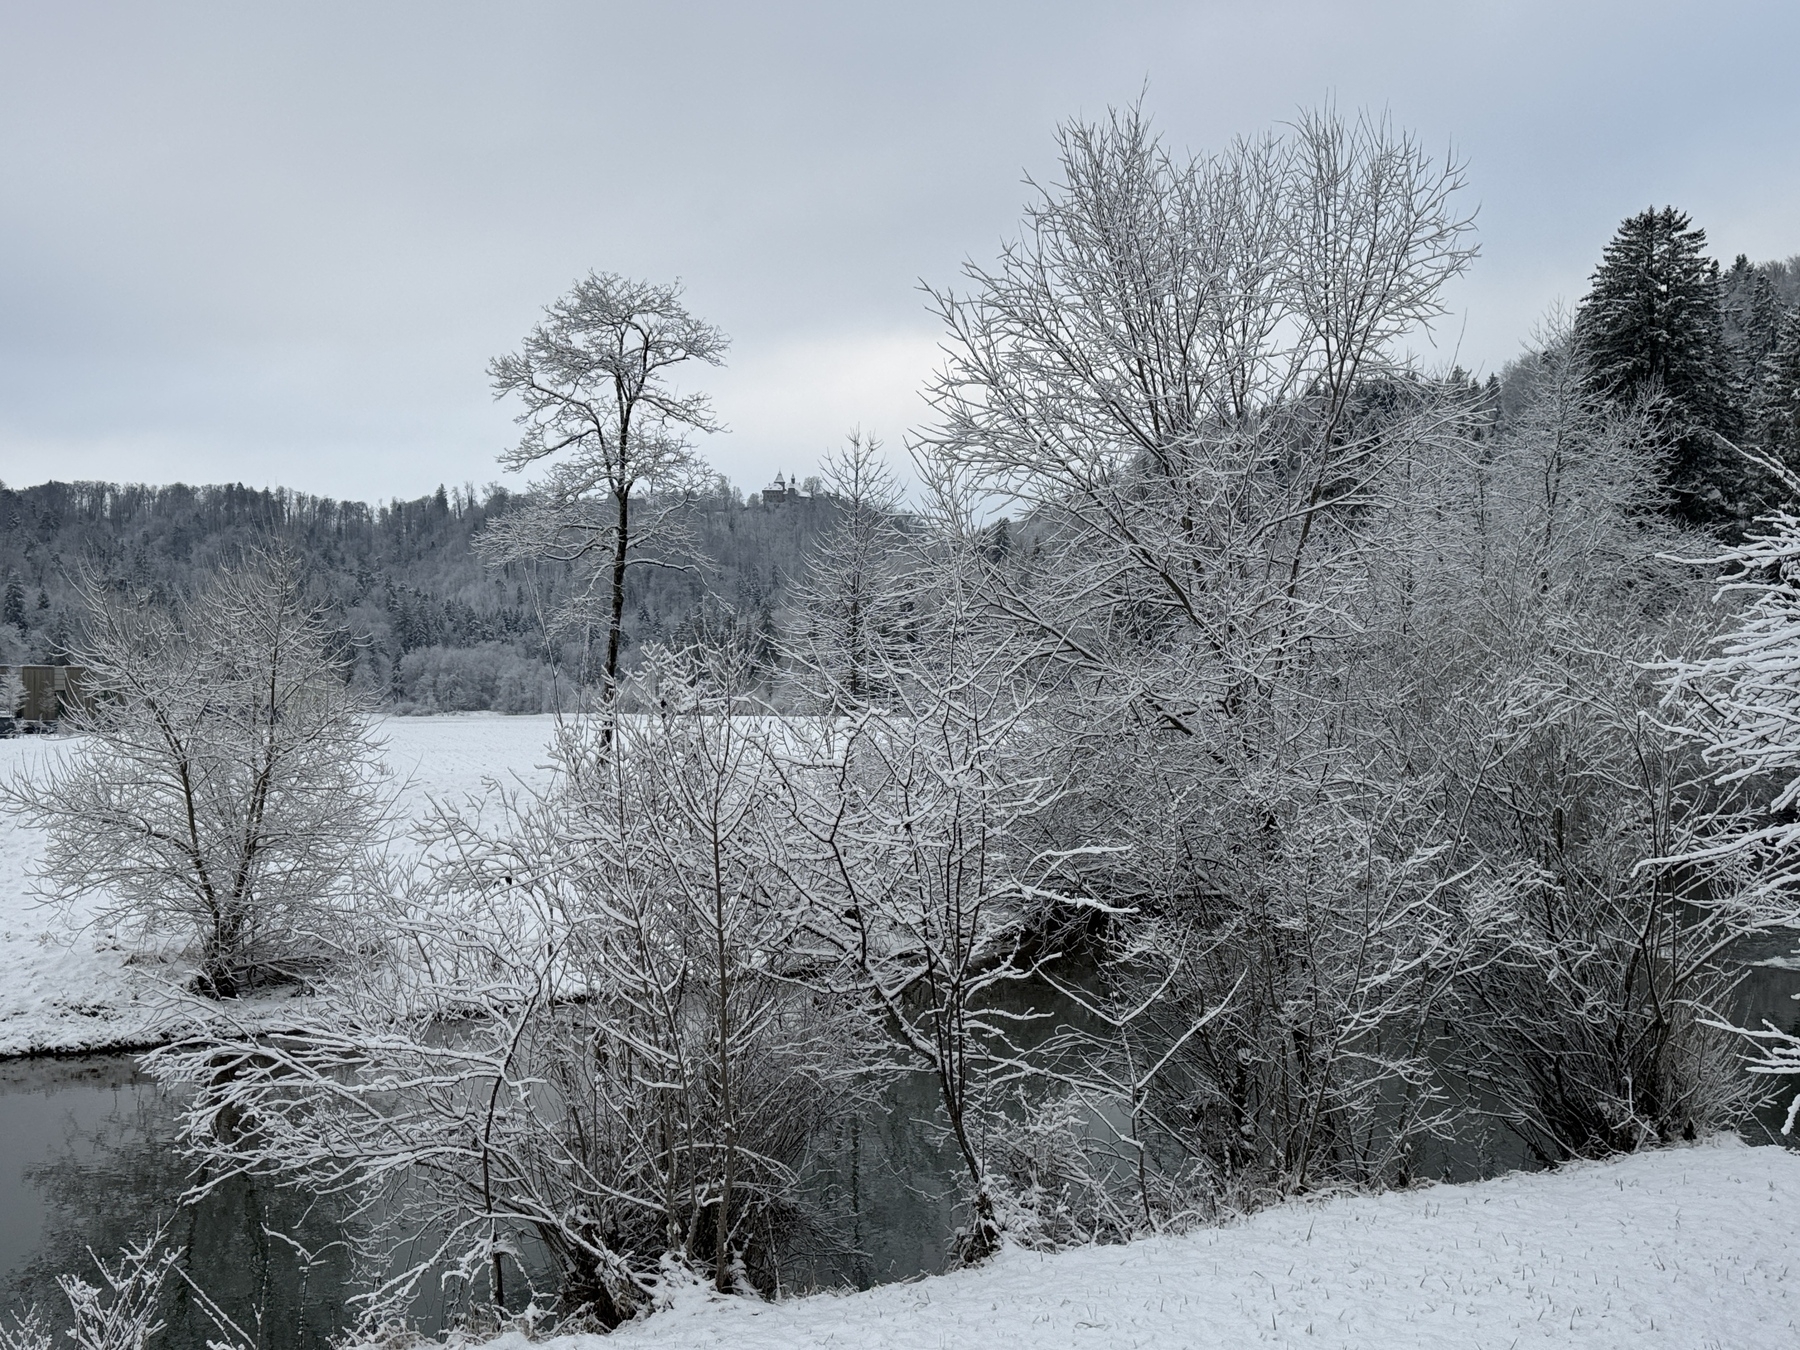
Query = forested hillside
x=425 y=622
x=1710 y=356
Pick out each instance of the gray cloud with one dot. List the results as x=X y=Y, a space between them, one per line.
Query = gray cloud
x=279 y=246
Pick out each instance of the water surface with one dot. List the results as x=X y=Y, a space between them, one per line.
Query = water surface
x=88 y=1161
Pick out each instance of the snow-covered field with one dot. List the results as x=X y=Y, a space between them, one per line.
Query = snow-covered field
x=67 y=984
x=1686 y=1248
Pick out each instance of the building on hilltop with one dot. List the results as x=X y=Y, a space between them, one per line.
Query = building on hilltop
x=784 y=489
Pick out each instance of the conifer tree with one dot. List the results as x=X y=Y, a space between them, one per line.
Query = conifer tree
x=1652 y=330
x=1775 y=411
x=12 y=609
x=1753 y=314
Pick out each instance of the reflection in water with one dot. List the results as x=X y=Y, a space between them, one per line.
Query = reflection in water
x=1768 y=995
x=892 y=1180
x=88 y=1161
x=89 y=1164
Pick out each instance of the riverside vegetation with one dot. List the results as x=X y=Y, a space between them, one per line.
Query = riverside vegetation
x=1254 y=761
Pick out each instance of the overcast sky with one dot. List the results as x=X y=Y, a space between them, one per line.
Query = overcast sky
x=278 y=245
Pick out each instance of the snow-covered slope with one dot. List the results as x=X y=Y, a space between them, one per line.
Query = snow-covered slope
x=1685 y=1248
x=67 y=984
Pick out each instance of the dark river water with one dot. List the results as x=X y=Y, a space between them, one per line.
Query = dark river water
x=88 y=1163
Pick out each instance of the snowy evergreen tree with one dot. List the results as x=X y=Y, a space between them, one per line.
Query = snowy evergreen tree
x=1652 y=330
x=12 y=609
x=1754 y=311
x=1775 y=409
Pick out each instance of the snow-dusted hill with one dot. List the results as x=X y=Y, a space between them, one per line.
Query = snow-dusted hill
x=1690 y=1249
x=67 y=984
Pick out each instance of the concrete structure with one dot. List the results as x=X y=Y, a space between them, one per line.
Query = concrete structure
x=38 y=696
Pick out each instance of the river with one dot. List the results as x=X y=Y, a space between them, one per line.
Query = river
x=88 y=1161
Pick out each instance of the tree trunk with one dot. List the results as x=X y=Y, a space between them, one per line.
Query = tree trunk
x=722 y=1260
x=616 y=622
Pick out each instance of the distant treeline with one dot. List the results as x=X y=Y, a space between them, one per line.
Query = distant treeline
x=424 y=623
x=1711 y=355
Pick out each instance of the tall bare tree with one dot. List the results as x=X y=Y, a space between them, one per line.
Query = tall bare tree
x=1186 y=381
x=599 y=408
x=852 y=591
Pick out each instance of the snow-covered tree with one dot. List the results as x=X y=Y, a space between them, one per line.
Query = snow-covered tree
x=225 y=787
x=1542 y=593
x=1775 y=405
x=12 y=605
x=1741 y=702
x=12 y=694
x=1652 y=332
x=1184 y=383
x=1753 y=311
x=913 y=850
x=600 y=409
x=588 y=1035
x=851 y=606
x=119 y=1313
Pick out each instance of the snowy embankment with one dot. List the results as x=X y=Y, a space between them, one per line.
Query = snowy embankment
x=1687 y=1247
x=69 y=984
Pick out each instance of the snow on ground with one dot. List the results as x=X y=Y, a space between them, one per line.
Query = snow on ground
x=449 y=759
x=1683 y=1248
x=67 y=984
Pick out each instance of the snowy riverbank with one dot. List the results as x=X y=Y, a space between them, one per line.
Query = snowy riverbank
x=69 y=985
x=1686 y=1248
x=1683 y=1248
